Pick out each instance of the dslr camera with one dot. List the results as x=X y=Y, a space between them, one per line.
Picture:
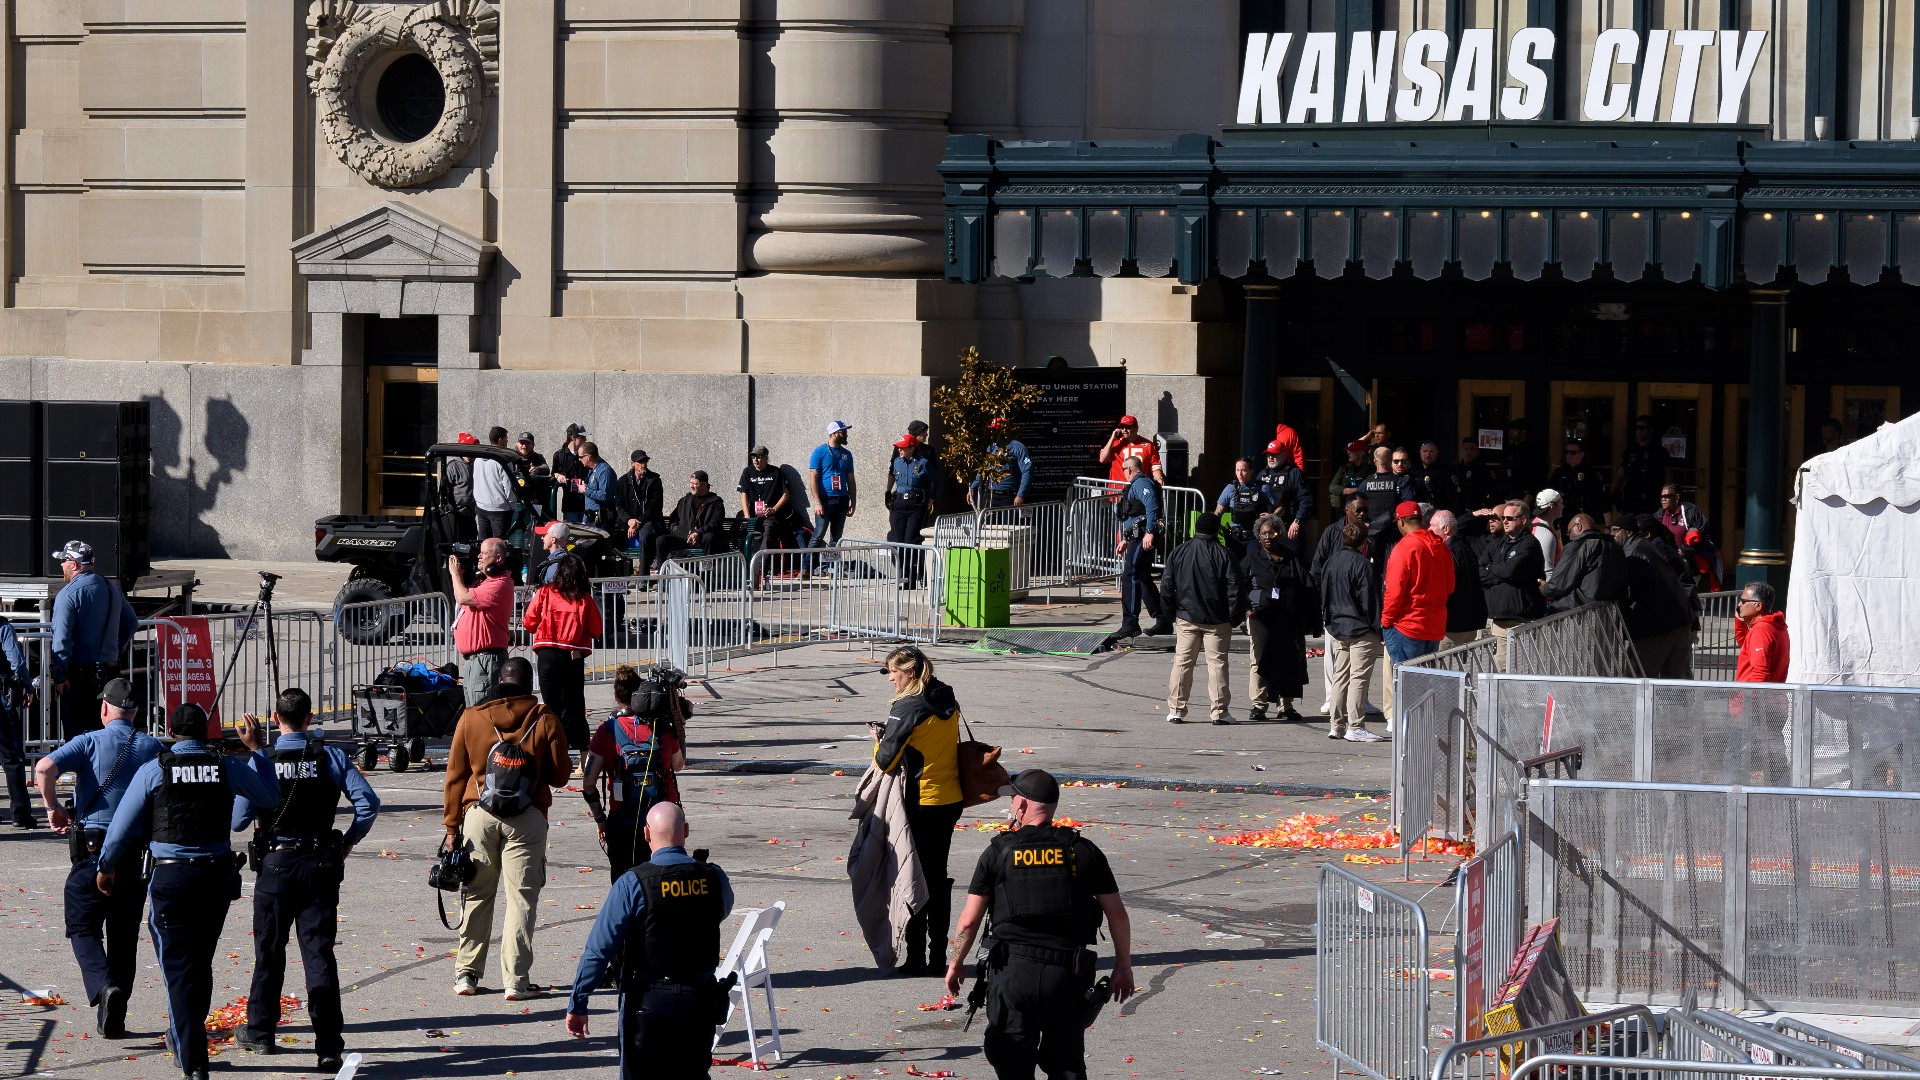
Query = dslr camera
x=469 y=556
x=455 y=868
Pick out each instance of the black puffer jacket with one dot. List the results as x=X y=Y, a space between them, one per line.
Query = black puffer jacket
x=1592 y=568
x=1202 y=584
x=1466 y=604
x=1349 y=596
x=1510 y=571
x=1656 y=601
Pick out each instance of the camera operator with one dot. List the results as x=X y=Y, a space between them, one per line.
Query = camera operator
x=507 y=757
x=634 y=756
x=301 y=861
x=182 y=803
x=481 y=632
x=92 y=626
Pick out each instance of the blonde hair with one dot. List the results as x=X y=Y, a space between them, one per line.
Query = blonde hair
x=909 y=659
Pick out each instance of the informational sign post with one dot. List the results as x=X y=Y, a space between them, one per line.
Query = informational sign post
x=1473 y=949
x=186 y=663
x=1064 y=431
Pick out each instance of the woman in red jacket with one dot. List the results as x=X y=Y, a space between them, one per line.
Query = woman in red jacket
x=564 y=622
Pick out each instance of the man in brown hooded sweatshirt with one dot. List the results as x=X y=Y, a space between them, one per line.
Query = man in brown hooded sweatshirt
x=508 y=755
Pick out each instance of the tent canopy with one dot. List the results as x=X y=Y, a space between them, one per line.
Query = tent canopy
x=1853 y=606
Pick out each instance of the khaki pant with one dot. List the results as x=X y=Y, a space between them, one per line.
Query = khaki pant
x=1326 y=668
x=509 y=854
x=1501 y=628
x=1258 y=693
x=1354 y=659
x=1188 y=640
x=1463 y=637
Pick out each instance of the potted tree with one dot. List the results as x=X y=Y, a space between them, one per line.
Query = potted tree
x=979 y=578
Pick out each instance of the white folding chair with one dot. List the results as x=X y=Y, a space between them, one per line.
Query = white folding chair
x=748 y=958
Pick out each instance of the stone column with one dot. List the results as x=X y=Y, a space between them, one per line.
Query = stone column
x=850 y=102
x=1259 y=405
x=1764 y=558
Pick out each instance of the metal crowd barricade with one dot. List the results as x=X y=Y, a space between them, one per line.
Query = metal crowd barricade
x=1036 y=534
x=1768 y=898
x=632 y=625
x=1589 y=640
x=1417 y=757
x=416 y=628
x=1582 y=1067
x=1493 y=933
x=1372 y=998
x=1714 y=649
x=1439 y=761
x=1869 y=1055
x=1092 y=533
x=1752 y=1042
x=1177 y=507
x=1631 y=1032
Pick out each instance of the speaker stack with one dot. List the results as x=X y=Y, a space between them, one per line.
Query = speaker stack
x=20 y=511
x=95 y=482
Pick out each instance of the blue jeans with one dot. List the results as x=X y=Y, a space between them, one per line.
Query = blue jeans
x=832 y=519
x=1136 y=584
x=1401 y=648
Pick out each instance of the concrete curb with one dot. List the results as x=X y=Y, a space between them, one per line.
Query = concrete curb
x=1158 y=783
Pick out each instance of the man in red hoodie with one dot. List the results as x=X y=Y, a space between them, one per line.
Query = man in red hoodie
x=1760 y=633
x=1413 y=606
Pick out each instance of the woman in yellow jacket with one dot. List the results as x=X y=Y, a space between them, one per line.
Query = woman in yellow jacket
x=921 y=739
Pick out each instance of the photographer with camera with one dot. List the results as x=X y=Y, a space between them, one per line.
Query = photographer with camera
x=182 y=804
x=658 y=934
x=634 y=756
x=301 y=861
x=481 y=632
x=103 y=930
x=507 y=757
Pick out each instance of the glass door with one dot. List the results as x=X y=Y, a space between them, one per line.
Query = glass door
x=403 y=419
x=1591 y=413
x=1682 y=420
x=1862 y=409
x=1486 y=407
x=1306 y=404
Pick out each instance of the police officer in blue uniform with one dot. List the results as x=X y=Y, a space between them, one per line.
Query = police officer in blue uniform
x=1292 y=497
x=16 y=694
x=1246 y=500
x=92 y=626
x=1138 y=512
x=181 y=803
x=1047 y=888
x=1009 y=489
x=103 y=930
x=660 y=930
x=912 y=482
x=301 y=859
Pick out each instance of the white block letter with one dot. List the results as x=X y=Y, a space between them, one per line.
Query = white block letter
x=1608 y=100
x=1528 y=100
x=1313 y=81
x=1369 y=76
x=1421 y=100
x=1652 y=74
x=1686 y=80
x=1260 y=78
x=1738 y=54
x=1470 y=95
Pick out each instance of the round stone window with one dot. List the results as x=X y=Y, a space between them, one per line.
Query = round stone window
x=410 y=97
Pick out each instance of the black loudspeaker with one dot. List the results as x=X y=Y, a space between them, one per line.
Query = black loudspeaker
x=20 y=512
x=109 y=488
x=95 y=430
x=118 y=552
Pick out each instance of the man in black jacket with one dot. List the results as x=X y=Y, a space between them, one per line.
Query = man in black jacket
x=1510 y=570
x=1592 y=569
x=1473 y=480
x=1384 y=491
x=1350 y=607
x=697 y=521
x=1202 y=591
x=641 y=499
x=1356 y=512
x=1466 y=604
x=1526 y=467
x=1658 y=614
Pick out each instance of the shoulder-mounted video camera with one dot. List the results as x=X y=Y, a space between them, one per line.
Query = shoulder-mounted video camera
x=658 y=701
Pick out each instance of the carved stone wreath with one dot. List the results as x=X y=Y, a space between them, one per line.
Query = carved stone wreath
x=460 y=38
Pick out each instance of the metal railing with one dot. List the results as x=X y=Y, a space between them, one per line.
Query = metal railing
x=1093 y=532
x=1714 y=649
x=1035 y=533
x=1589 y=640
x=1177 y=507
x=1752 y=1042
x=1490 y=901
x=1869 y=1055
x=1581 y=1067
x=1372 y=998
x=370 y=637
x=1753 y=897
x=1432 y=778
x=1631 y=1032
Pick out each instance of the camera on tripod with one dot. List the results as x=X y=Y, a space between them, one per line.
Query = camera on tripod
x=454 y=869
x=267 y=582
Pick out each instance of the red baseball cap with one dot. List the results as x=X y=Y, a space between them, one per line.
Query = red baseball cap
x=1274 y=447
x=907 y=442
x=466 y=439
x=1407 y=510
x=1356 y=446
x=997 y=422
x=1129 y=421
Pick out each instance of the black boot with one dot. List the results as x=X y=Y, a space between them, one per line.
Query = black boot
x=939 y=911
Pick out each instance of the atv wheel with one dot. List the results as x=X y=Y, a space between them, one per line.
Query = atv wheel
x=358 y=619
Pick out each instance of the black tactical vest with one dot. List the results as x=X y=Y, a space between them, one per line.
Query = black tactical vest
x=1383 y=494
x=679 y=938
x=308 y=795
x=1037 y=886
x=1246 y=505
x=194 y=804
x=1280 y=482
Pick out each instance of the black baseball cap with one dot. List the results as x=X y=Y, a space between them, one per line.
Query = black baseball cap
x=639 y=457
x=120 y=694
x=1037 y=785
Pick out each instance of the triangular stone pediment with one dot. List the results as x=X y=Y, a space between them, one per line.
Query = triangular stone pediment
x=393 y=241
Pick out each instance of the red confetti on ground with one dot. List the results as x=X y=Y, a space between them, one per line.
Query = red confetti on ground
x=222 y=1021
x=1001 y=826
x=36 y=999
x=914 y=1070
x=743 y=1063
x=947 y=1001
x=1304 y=832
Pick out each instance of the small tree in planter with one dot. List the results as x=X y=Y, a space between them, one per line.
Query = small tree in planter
x=967 y=409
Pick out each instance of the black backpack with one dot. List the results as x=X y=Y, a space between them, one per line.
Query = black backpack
x=507 y=789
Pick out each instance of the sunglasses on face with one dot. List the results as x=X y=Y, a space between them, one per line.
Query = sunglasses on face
x=1511 y=517
x=1399 y=461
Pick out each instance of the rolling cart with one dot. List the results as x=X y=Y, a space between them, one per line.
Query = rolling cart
x=401 y=711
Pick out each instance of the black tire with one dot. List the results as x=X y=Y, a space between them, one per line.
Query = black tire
x=397 y=759
x=369 y=757
x=367 y=626
x=417 y=750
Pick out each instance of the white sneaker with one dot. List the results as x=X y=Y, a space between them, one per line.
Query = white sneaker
x=1361 y=734
x=466 y=986
x=1326 y=707
x=1225 y=718
x=526 y=993
x=1175 y=718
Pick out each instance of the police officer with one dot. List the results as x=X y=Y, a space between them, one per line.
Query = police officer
x=103 y=763
x=16 y=695
x=912 y=481
x=181 y=803
x=1384 y=490
x=92 y=626
x=1474 y=481
x=1046 y=887
x=1293 y=499
x=1241 y=503
x=300 y=859
x=1138 y=512
x=660 y=931
x=1431 y=474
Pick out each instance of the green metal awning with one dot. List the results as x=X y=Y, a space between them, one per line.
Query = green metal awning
x=1711 y=206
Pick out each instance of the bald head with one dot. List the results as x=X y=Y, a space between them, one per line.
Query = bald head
x=666 y=826
x=1442 y=524
x=493 y=545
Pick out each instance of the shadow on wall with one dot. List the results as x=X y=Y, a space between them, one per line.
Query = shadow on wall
x=178 y=492
x=1169 y=418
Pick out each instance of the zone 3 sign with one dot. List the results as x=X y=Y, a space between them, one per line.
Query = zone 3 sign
x=1440 y=84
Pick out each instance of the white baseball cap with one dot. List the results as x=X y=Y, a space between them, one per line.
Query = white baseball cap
x=838 y=425
x=1547 y=497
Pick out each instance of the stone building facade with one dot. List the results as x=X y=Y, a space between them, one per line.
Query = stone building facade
x=304 y=230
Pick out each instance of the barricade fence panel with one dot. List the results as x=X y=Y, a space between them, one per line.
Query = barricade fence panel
x=1491 y=924
x=1420 y=765
x=1581 y=1067
x=1442 y=756
x=373 y=636
x=1599 y=715
x=1714 y=649
x=1036 y=534
x=1754 y=898
x=1589 y=640
x=1372 y=996
x=1873 y=1057
x=1093 y=533
x=1178 y=505
x=1631 y=1032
